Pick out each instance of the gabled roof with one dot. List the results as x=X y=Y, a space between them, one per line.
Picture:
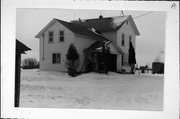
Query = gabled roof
x=134 y=27
x=108 y=24
x=82 y=30
x=75 y=28
x=20 y=47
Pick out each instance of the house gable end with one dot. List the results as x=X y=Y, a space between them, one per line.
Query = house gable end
x=133 y=25
x=45 y=28
x=50 y=24
x=126 y=28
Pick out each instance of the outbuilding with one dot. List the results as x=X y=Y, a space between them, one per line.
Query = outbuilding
x=20 y=49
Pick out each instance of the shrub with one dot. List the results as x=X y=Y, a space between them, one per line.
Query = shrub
x=30 y=63
x=72 y=62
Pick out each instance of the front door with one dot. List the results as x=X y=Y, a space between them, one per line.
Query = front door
x=96 y=61
x=112 y=59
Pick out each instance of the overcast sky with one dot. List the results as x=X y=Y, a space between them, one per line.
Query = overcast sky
x=148 y=45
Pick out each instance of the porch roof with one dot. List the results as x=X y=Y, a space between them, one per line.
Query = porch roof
x=98 y=47
x=108 y=24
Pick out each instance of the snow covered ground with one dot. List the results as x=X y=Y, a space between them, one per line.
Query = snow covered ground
x=91 y=91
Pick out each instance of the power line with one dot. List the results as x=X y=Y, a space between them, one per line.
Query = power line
x=142 y=15
x=137 y=16
x=123 y=21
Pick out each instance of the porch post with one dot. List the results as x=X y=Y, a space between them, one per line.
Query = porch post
x=17 y=79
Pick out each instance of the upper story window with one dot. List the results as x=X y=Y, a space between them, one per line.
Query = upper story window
x=51 y=36
x=61 y=37
x=122 y=43
x=56 y=58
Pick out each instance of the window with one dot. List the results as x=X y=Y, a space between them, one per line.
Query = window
x=56 y=58
x=61 y=38
x=122 y=40
x=50 y=37
x=122 y=58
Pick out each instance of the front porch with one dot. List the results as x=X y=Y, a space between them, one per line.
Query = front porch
x=100 y=62
x=98 y=58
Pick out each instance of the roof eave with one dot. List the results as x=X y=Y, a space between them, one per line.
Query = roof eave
x=37 y=36
x=136 y=31
x=45 y=28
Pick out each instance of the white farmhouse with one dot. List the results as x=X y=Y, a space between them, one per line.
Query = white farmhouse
x=89 y=36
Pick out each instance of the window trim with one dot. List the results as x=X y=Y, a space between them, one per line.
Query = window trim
x=61 y=36
x=56 y=59
x=123 y=40
x=50 y=37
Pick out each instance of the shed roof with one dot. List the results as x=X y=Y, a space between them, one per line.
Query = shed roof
x=20 y=47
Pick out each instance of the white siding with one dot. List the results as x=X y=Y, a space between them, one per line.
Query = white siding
x=116 y=37
x=113 y=37
x=119 y=62
x=55 y=47
x=112 y=49
x=127 y=30
x=110 y=35
x=82 y=43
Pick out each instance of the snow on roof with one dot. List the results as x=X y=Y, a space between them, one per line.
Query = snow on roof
x=75 y=28
x=98 y=24
x=108 y=23
x=82 y=30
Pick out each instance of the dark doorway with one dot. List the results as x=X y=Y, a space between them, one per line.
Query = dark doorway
x=101 y=62
x=112 y=62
